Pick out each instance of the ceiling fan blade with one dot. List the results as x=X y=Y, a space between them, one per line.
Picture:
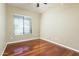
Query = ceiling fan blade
x=37 y=4
x=45 y=3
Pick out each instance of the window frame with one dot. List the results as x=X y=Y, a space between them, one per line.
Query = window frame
x=23 y=24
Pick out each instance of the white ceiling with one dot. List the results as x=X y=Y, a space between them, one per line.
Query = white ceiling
x=33 y=7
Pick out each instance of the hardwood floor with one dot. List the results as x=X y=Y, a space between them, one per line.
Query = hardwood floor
x=37 y=47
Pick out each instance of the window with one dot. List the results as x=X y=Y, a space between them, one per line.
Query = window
x=22 y=25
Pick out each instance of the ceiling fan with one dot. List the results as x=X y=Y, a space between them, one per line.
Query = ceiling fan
x=38 y=4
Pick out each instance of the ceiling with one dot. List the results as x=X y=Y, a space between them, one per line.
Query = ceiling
x=33 y=6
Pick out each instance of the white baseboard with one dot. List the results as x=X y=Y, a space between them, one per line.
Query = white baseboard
x=62 y=45
x=4 y=49
x=19 y=41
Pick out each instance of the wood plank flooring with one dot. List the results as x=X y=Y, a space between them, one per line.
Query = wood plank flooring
x=37 y=47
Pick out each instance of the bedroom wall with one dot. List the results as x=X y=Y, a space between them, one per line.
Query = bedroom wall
x=2 y=28
x=35 y=24
x=61 y=25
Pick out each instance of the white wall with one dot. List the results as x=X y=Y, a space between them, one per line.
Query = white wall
x=35 y=24
x=2 y=28
x=61 y=25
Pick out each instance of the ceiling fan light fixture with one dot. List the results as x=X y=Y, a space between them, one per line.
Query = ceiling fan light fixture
x=38 y=4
